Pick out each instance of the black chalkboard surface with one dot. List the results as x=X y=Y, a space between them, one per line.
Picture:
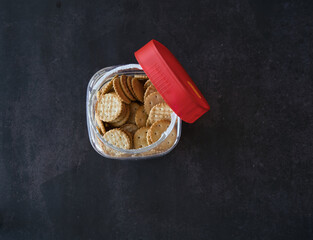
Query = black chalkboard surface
x=242 y=171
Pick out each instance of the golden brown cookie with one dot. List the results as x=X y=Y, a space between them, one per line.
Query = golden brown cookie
x=152 y=100
x=123 y=81
x=119 y=91
x=123 y=120
x=131 y=137
x=140 y=138
x=109 y=107
x=132 y=128
x=160 y=111
x=133 y=109
x=141 y=117
x=156 y=130
x=137 y=87
x=105 y=89
x=147 y=84
x=149 y=141
x=117 y=138
x=122 y=114
x=129 y=85
x=100 y=124
x=150 y=89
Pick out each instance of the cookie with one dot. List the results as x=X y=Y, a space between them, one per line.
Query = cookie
x=141 y=117
x=123 y=120
x=132 y=128
x=150 y=89
x=160 y=111
x=156 y=130
x=119 y=91
x=152 y=100
x=133 y=109
x=123 y=82
x=105 y=89
x=149 y=141
x=129 y=85
x=141 y=77
x=122 y=114
x=140 y=138
x=117 y=138
x=131 y=136
x=109 y=107
x=137 y=87
x=147 y=84
x=100 y=124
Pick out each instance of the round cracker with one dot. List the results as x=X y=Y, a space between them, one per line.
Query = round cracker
x=109 y=107
x=147 y=84
x=100 y=124
x=141 y=117
x=133 y=109
x=122 y=114
x=131 y=137
x=150 y=89
x=117 y=138
x=152 y=100
x=129 y=85
x=107 y=87
x=137 y=87
x=140 y=138
x=149 y=141
x=123 y=82
x=156 y=130
x=132 y=128
x=123 y=120
x=161 y=111
x=119 y=91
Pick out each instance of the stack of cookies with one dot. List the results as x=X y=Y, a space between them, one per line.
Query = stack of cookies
x=131 y=114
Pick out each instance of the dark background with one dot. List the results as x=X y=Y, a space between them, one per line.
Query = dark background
x=243 y=171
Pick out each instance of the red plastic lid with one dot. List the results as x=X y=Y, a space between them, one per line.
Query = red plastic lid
x=172 y=81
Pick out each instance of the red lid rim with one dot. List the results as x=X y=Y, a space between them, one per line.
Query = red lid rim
x=172 y=81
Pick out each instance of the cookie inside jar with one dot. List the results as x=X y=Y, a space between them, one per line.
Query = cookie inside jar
x=131 y=114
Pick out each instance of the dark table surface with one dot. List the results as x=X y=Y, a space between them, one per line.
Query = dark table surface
x=243 y=171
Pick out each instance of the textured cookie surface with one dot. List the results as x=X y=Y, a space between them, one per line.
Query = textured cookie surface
x=109 y=107
x=149 y=90
x=147 y=84
x=137 y=87
x=117 y=138
x=105 y=89
x=133 y=109
x=100 y=124
x=140 y=138
x=126 y=90
x=123 y=120
x=152 y=100
x=159 y=112
x=141 y=117
x=156 y=130
x=119 y=91
x=129 y=85
x=132 y=128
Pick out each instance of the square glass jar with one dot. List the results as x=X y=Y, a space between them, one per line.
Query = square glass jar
x=107 y=150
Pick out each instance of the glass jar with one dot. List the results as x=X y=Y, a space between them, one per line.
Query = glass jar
x=104 y=148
